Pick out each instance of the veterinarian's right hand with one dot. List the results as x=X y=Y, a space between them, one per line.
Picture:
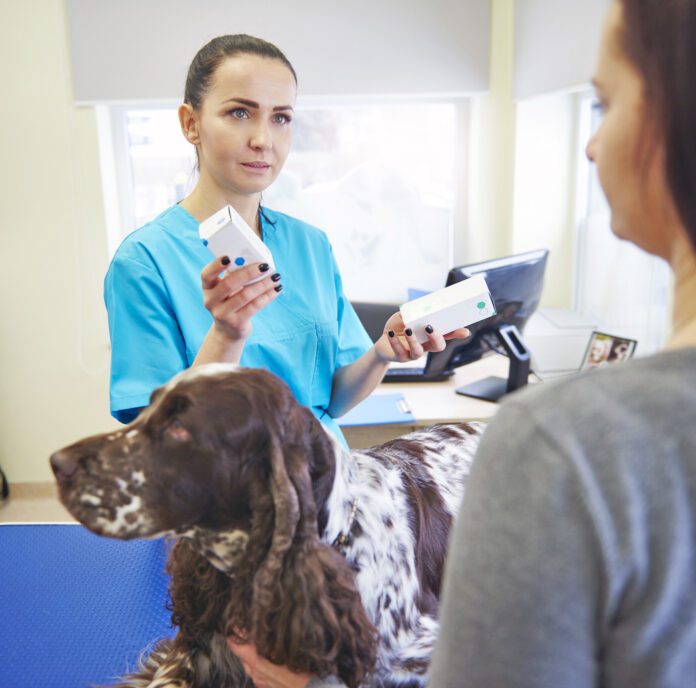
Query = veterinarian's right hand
x=265 y=674
x=230 y=302
x=398 y=343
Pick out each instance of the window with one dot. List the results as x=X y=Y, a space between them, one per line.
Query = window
x=383 y=180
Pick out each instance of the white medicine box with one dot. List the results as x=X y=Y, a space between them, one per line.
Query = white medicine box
x=459 y=305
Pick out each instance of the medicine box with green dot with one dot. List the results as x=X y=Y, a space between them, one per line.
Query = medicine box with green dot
x=226 y=233
x=459 y=305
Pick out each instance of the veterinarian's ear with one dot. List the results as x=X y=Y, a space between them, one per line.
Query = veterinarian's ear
x=306 y=611
x=188 y=120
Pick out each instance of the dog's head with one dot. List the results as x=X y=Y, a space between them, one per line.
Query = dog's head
x=226 y=458
x=193 y=459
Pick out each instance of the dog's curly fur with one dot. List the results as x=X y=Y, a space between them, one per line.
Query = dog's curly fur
x=256 y=491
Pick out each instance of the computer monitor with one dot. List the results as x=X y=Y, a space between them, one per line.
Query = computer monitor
x=515 y=283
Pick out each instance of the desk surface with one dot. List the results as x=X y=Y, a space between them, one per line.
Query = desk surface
x=437 y=402
x=434 y=402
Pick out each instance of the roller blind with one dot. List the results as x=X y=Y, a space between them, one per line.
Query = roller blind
x=140 y=50
x=556 y=43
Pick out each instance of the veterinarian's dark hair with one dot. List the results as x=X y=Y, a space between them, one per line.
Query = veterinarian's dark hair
x=658 y=38
x=213 y=53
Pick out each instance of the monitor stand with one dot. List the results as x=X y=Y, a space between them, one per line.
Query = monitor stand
x=493 y=388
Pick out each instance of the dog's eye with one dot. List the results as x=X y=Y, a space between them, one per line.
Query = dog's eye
x=177 y=431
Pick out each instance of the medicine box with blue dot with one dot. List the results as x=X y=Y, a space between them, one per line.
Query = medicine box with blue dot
x=226 y=233
x=459 y=305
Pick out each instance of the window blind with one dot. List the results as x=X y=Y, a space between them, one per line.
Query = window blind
x=556 y=44
x=140 y=50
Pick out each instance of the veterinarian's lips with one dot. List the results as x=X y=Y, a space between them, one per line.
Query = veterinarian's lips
x=256 y=166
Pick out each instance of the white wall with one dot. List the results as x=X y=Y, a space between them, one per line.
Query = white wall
x=492 y=146
x=53 y=341
x=555 y=47
x=522 y=175
x=544 y=189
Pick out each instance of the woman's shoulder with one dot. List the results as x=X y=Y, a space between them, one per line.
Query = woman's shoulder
x=604 y=428
x=624 y=393
x=660 y=371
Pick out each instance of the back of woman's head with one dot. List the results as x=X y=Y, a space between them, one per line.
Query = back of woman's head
x=213 y=53
x=659 y=37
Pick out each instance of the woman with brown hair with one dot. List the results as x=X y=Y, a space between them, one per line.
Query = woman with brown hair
x=573 y=563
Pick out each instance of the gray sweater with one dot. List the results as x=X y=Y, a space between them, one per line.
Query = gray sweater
x=573 y=561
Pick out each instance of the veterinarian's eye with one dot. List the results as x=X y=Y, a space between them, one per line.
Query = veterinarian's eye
x=177 y=431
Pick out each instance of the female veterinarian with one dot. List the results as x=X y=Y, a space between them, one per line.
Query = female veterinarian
x=297 y=322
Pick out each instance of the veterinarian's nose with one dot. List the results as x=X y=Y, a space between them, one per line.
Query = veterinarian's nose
x=63 y=464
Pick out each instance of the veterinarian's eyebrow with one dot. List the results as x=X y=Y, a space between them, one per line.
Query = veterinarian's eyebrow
x=254 y=105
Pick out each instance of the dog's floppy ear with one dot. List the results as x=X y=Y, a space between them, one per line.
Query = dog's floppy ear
x=306 y=612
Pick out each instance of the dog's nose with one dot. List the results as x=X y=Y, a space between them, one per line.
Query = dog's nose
x=63 y=464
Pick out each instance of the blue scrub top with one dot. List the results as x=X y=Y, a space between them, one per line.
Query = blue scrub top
x=158 y=322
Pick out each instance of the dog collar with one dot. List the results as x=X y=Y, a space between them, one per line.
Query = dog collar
x=343 y=539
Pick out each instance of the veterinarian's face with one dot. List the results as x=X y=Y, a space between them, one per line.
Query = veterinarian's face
x=627 y=147
x=242 y=129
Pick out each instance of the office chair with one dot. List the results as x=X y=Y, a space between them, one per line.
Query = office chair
x=374 y=315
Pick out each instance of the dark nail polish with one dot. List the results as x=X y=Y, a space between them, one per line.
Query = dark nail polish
x=275 y=277
x=429 y=329
x=391 y=333
x=279 y=287
x=264 y=267
x=409 y=332
x=225 y=260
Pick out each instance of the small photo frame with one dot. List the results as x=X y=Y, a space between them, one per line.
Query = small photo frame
x=604 y=349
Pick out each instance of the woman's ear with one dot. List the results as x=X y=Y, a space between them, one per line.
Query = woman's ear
x=188 y=120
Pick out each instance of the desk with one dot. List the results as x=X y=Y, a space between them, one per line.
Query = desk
x=433 y=402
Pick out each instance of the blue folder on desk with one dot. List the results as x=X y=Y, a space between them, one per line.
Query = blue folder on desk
x=77 y=609
x=379 y=409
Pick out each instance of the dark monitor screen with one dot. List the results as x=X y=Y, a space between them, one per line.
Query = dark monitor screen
x=515 y=283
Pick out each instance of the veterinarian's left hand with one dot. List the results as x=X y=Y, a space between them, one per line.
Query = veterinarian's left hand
x=402 y=346
x=265 y=674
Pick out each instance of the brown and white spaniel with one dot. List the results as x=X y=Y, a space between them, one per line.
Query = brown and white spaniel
x=329 y=560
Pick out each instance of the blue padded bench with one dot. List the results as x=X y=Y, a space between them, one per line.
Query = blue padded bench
x=76 y=609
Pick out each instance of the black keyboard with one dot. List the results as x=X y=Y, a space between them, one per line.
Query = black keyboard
x=413 y=375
